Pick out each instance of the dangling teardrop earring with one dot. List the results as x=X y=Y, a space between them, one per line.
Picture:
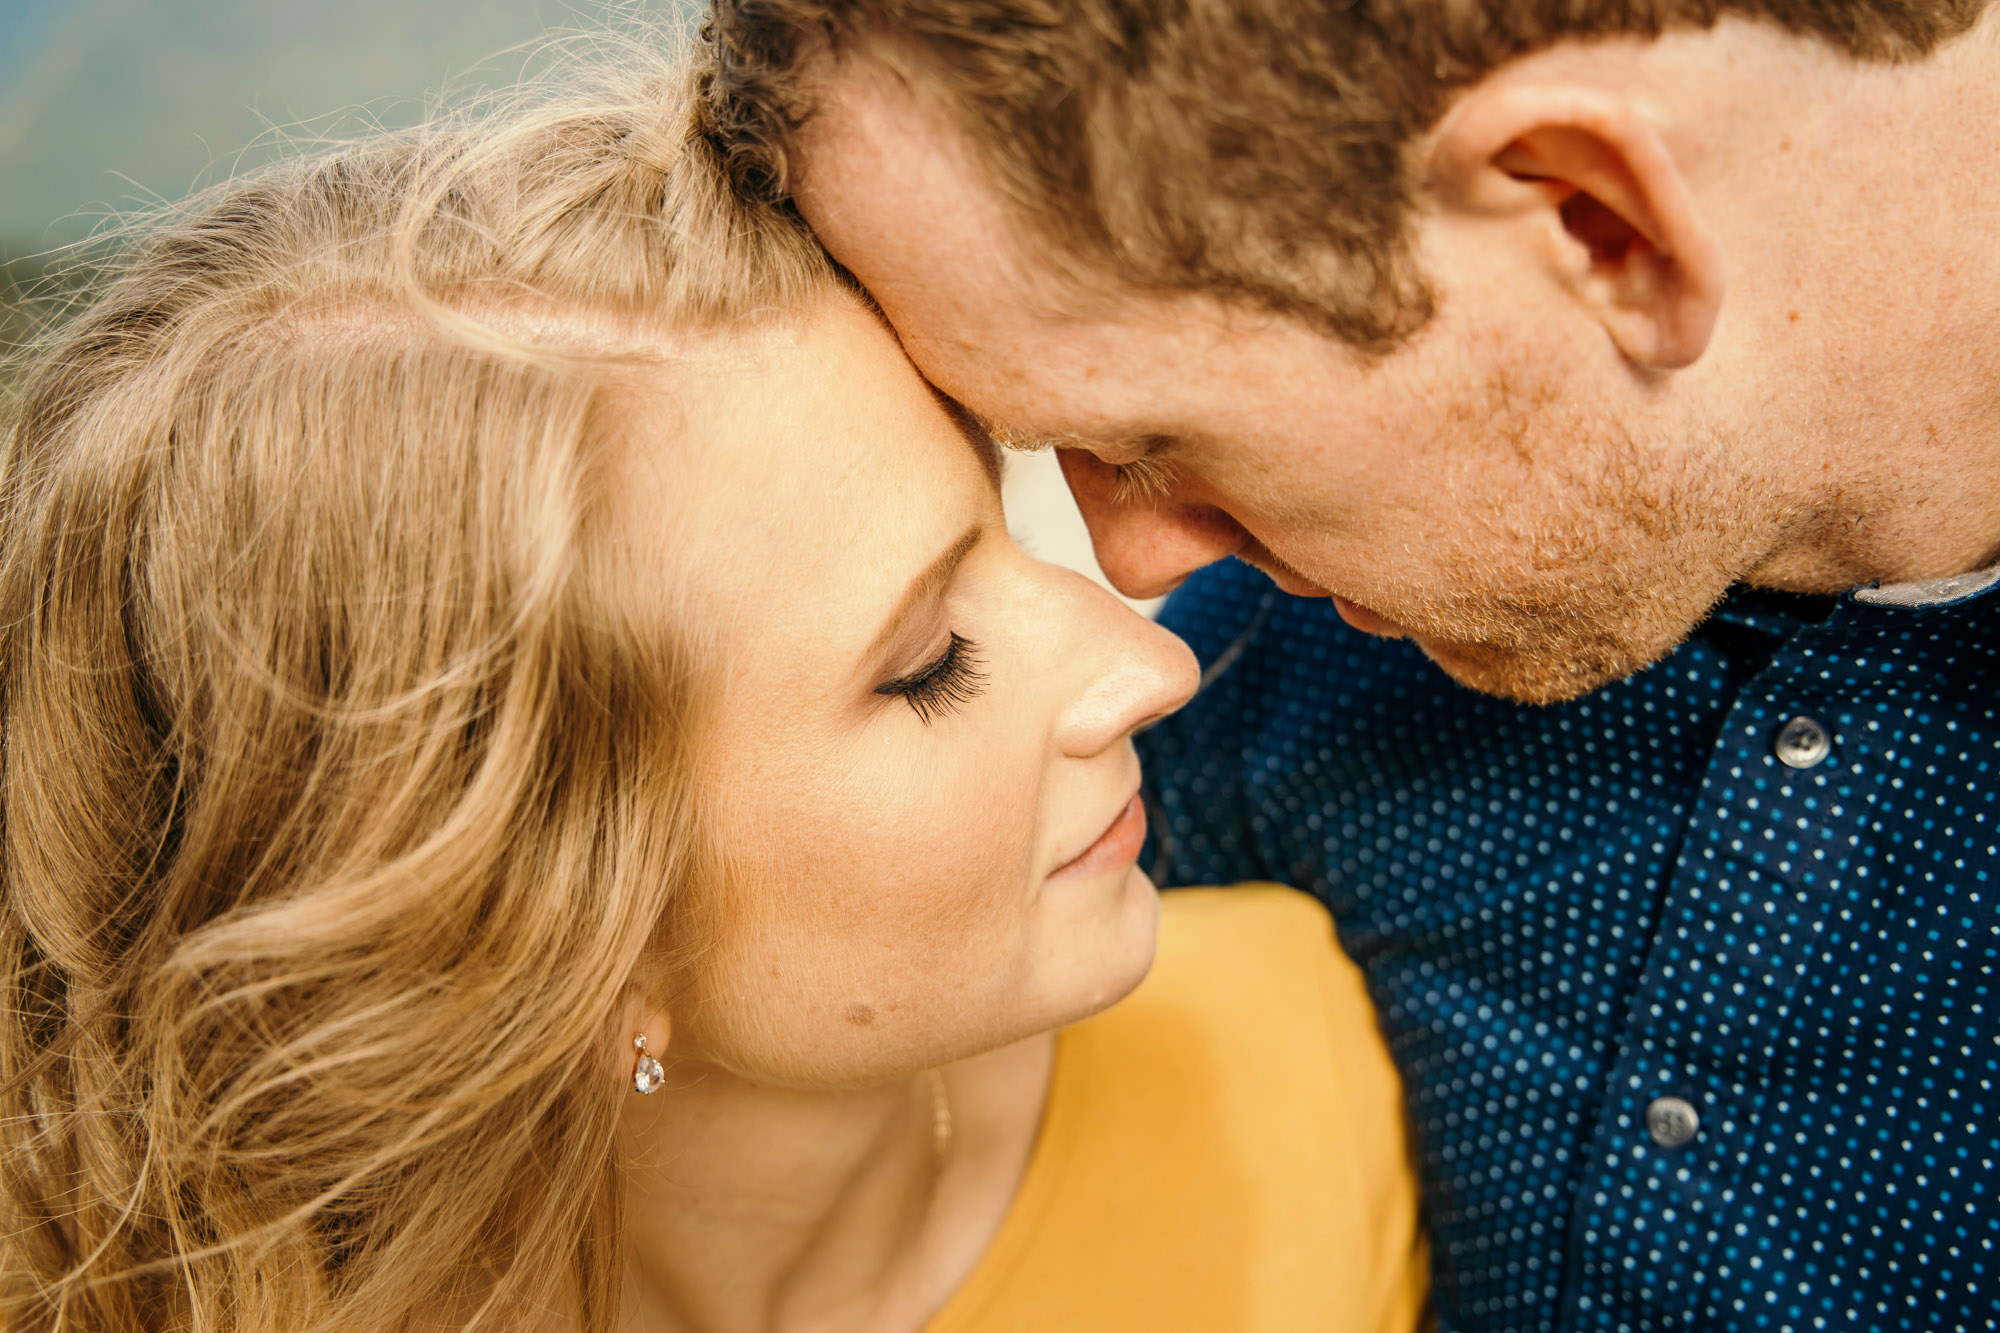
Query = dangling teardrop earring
x=647 y=1075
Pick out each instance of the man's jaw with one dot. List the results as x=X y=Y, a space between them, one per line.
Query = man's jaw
x=1291 y=581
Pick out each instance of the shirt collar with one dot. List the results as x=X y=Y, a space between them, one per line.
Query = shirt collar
x=1931 y=592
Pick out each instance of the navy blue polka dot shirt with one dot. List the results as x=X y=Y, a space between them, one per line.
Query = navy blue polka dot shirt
x=1692 y=980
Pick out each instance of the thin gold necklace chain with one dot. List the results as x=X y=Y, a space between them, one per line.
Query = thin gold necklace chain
x=940 y=1116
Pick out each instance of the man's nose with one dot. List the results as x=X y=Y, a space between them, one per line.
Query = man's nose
x=1145 y=544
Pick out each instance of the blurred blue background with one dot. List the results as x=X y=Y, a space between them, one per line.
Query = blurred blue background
x=105 y=104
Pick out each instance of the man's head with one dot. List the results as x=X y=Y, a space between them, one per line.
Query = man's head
x=1419 y=304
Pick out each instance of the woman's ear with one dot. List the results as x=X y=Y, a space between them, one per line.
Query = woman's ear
x=1629 y=242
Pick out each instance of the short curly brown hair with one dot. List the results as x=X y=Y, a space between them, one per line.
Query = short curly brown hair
x=1254 y=149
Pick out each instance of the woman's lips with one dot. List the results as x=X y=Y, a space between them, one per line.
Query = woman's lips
x=1118 y=845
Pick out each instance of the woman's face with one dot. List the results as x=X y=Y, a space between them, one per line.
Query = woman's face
x=917 y=765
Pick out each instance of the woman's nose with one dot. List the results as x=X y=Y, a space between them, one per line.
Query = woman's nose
x=1146 y=545
x=1140 y=673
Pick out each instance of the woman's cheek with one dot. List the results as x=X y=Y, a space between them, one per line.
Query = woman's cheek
x=890 y=936
x=908 y=938
x=961 y=828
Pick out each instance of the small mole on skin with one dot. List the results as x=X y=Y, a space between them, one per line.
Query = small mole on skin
x=1792 y=315
x=861 y=1015
x=1784 y=145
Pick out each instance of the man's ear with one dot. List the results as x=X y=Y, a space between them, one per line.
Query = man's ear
x=1629 y=242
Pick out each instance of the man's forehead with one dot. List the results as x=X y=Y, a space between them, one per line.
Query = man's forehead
x=901 y=201
x=898 y=196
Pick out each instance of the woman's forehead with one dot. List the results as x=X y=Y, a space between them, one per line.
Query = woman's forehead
x=811 y=472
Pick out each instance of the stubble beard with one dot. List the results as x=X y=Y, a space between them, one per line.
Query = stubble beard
x=1595 y=555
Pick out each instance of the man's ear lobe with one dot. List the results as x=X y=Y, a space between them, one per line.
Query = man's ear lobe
x=1629 y=241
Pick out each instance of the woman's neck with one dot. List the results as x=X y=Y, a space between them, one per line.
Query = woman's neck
x=759 y=1210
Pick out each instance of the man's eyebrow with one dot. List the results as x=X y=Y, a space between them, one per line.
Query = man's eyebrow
x=1029 y=442
x=925 y=586
x=1010 y=437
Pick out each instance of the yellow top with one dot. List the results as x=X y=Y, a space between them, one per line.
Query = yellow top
x=1222 y=1152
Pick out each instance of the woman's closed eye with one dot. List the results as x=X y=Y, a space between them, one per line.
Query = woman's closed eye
x=942 y=685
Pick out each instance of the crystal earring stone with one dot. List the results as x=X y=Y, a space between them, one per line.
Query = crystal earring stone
x=647 y=1075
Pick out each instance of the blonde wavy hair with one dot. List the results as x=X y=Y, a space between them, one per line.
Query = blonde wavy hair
x=346 y=791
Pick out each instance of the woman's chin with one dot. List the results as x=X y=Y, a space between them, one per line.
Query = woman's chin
x=1104 y=948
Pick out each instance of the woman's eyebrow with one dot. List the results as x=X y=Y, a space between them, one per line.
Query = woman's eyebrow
x=925 y=586
x=984 y=443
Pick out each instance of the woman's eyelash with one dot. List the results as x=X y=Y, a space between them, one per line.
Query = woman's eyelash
x=945 y=684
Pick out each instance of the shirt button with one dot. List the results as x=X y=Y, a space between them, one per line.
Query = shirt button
x=1671 y=1122
x=1802 y=743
